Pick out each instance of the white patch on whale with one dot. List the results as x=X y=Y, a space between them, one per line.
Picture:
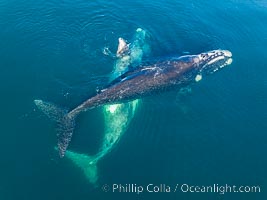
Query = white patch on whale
x=215 y=60
x=112 y=108
x=198 y=77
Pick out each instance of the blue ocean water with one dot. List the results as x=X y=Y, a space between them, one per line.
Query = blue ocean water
x=215 y=134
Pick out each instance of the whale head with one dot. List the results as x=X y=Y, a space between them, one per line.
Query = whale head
x=212 y=61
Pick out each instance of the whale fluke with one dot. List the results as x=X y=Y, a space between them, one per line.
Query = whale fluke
x=65 y=123
x=52 y=111
x=88 y=164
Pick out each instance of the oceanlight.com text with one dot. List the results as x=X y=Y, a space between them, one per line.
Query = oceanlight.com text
x=180 y=188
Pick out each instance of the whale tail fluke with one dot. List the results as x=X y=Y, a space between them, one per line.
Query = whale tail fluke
x=65 y=123
x=88 y=164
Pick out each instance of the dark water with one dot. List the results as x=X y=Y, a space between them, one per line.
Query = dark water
x=216 y=134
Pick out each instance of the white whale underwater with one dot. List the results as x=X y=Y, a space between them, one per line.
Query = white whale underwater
x=118 y=116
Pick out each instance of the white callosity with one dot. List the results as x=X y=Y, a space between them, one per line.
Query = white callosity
x=214 y=56
x=198 y=77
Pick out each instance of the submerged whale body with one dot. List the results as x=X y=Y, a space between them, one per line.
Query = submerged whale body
x=117 y=117
x=140 y=82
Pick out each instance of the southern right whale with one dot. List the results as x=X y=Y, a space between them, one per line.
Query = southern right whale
x=145 y=80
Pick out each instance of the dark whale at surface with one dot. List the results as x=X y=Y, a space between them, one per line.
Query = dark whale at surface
x=145 y=80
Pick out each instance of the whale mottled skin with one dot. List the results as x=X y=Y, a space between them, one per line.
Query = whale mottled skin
x=158 y=77
x=144 y=81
